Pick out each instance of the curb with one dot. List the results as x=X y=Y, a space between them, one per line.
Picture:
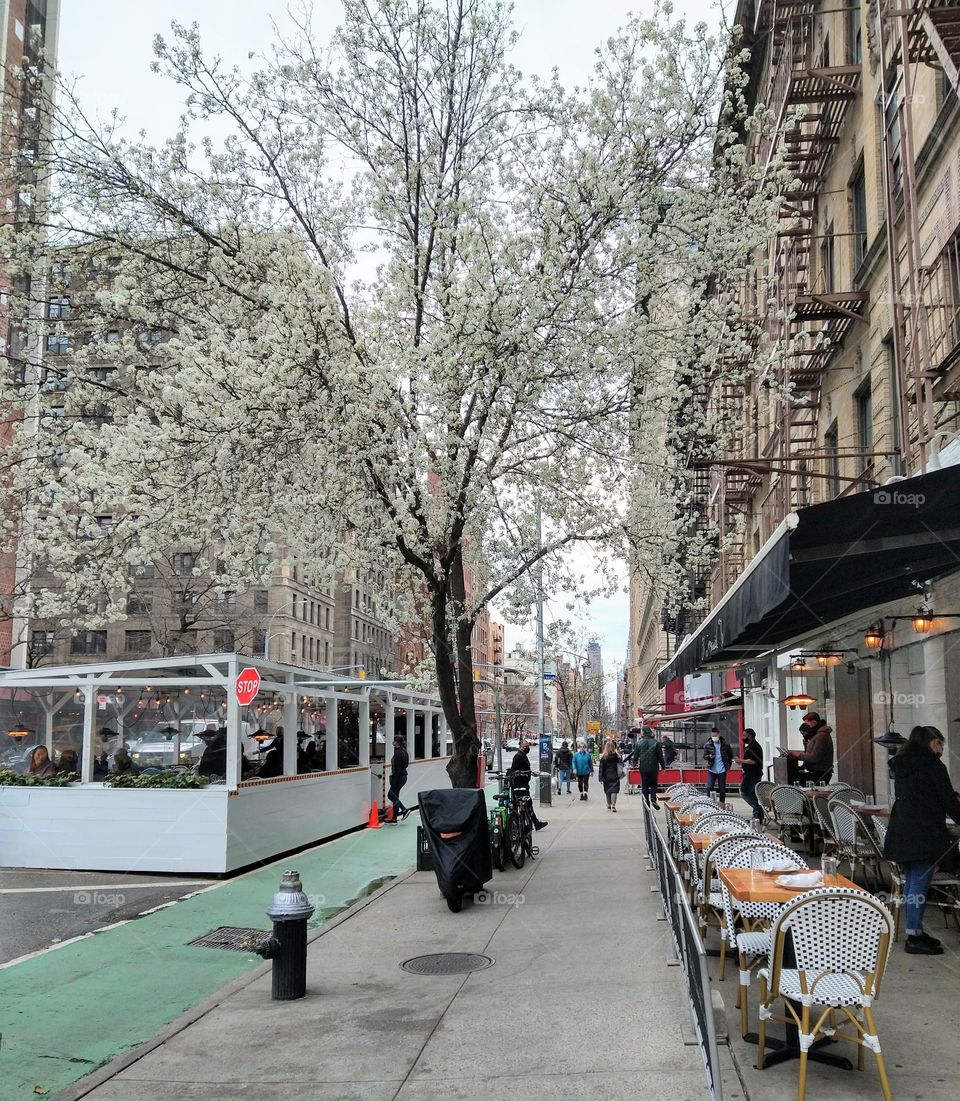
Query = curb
x=110 y=1070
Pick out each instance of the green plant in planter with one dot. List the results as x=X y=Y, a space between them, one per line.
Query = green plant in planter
x=9 y=778
x=180 y=780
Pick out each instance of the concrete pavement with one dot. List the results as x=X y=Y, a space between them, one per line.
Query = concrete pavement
x=579 y=1003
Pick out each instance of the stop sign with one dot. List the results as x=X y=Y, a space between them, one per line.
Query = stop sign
x=248 y=685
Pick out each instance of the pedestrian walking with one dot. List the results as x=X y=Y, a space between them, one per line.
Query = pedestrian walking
x=582 y=769
x=610 y=773
x=751 y=761
x=718 y=757
x=649 y=758
x=564 y=766
x=399 y=764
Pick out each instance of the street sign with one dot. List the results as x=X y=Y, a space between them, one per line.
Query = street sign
x=247 y=686
x=593 y=727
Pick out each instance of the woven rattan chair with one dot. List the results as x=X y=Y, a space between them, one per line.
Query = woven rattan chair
x=707 y=823
x=751 y=944
x=822 y=810
x=847 y=794
x=762 y=792
x=793 y=814
x=841 y=939
x=711 y=896
x=853 y=840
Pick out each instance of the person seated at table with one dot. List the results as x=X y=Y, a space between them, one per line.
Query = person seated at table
x=917 y=835
x=123 y=762
x=40 y=764
x=816 y=760
x=68 y=763
x=273 y=760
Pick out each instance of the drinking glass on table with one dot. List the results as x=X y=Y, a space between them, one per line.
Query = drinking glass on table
x=868 y=800
x=828 y=865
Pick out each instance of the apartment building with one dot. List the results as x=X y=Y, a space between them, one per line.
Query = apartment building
x=28 y=32
x=834 y=509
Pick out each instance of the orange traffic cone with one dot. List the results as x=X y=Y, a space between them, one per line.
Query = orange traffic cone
x=374 y=823
x=388 y=817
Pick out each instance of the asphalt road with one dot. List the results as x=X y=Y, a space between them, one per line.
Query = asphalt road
x=42 y=908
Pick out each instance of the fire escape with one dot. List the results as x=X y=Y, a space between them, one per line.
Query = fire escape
x=926 y=304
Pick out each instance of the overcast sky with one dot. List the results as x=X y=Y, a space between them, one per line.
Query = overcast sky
x=106 y=45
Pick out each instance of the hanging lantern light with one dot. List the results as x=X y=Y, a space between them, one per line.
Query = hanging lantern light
x=922 y=621
x=873 y=638
x=797 y=699
x=826 y=658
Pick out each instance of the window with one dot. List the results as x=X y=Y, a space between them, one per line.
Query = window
x=326 y=618
x=223 y=640
x=58 y=309
x=326 y=653
x=58 y=344
x=60 y=272
x=229 y=600
x=864 y=409
x=184 y=562
x=143 y=569
x=892 y=127
x=261 y=601
x=89 y=642
x=111 y=336
x=41 y=642
x=105 y=526
x=136 y=642
x=827 y=259
x=259 y=642
x=139 y=603
x=54 y=381
x=854 y=33
x=148 y=340
x=830 y=445
x=186 y=643
x=858 y=204
x=311 y=649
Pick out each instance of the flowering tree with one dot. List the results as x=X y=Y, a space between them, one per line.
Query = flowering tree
x=410 y=303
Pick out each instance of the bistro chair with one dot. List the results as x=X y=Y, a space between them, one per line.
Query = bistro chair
x=793 y=814
x=706 y=823
x=840 y=940
x=847 y=794
x=822 y=810
x=751 y=944
x=711 y=898
x=762 y=792
x=853 y=841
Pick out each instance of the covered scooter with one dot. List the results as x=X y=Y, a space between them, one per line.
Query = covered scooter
x=458 y=836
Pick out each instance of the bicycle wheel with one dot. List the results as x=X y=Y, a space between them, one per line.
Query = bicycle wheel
x=528 y=833
x=517 y=853
x=496 y=845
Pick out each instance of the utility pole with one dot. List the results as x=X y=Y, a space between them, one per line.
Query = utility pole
x=545 y=743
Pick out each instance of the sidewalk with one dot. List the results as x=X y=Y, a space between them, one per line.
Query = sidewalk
x=579 y=1003
x=67 y=1011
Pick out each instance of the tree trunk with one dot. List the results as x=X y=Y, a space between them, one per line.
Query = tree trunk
x=462 y=768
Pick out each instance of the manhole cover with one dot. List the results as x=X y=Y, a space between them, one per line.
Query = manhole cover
x=232 y=939
x=447 y=963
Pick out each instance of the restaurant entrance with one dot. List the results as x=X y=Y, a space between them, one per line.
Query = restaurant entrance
x=853 y=737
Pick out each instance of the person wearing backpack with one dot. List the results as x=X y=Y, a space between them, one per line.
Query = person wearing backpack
x=649 y=758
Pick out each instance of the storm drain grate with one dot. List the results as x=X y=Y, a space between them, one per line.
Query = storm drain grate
x=232 y=939
x=447 y=963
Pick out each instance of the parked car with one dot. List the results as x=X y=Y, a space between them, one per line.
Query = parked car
x=157 y=748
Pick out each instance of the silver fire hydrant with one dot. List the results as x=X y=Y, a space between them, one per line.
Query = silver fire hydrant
x=287 y=947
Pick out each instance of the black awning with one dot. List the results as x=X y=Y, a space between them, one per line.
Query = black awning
x=842 y=557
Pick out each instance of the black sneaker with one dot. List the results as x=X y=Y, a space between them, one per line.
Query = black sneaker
x=917 y=946
x=542 y=825
x=927 y=939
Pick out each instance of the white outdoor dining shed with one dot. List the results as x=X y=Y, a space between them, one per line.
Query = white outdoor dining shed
x=228 y=824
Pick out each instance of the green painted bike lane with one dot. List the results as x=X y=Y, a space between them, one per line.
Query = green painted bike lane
x=70 y=1010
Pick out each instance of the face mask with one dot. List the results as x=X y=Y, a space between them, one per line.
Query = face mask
x=715 y=737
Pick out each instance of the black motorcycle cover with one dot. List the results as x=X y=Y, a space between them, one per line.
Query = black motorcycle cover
x=458 y=836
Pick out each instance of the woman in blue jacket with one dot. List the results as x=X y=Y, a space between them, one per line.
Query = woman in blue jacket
x=582 y=768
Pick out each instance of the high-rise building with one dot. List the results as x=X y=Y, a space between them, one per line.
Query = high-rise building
x=594 y=671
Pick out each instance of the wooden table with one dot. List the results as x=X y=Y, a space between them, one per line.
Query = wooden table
x=702 y=841
x=686 y=820
x=875 y=812
x=809 y=793
x=746 y=885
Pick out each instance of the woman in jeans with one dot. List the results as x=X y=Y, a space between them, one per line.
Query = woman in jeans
x=608 y=773
x=582 y=769
x=917 y=837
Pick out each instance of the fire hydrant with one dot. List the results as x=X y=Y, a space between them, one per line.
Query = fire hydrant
x=287 y=947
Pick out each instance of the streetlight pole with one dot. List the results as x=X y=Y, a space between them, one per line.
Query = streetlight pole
x=545 y=747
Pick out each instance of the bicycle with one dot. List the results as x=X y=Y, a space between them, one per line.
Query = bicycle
x=520 y=830
x=499 y=825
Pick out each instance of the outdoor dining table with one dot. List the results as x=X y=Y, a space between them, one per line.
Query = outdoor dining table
x=685 y=820
x=875 y=812
x=747 y=885
x=702 y=841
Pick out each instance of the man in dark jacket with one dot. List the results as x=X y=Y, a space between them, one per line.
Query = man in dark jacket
x=917 y=836
x=718 y=758
x=399 y=764
x=817 y=757
x=522 y=771
x=751 y=761
x=649 y=758
x=564 y=763
x=669 y=750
